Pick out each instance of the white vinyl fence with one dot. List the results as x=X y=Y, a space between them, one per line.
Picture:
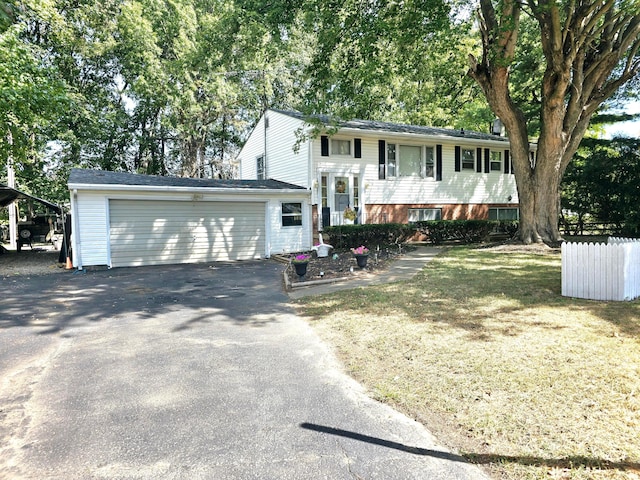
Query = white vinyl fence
x=602 y=271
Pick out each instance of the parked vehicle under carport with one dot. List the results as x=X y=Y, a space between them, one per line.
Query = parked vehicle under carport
x=35 y=227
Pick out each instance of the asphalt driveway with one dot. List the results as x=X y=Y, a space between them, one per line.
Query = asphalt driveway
x=187 y=372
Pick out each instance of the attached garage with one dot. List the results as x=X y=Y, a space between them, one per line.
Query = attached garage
x=147 y=232
x=124 y=220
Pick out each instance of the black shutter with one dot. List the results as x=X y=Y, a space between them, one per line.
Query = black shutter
x=478 y=160
x=324 y=146
x=357 y=148
x=507 y=168
x=439 y=163
x=382 y=157
x=326 y=217
x=458 y=160
x=487 y=160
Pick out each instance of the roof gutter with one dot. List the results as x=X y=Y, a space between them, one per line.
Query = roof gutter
x=209 y=190
x=498 y=142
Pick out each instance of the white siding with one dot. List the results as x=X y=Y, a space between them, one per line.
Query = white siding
x=91 y=210
x=466 y=187
x=456 y=187
x=282 y=163
x=252 y=149
x=289 y=239
x=91 y=223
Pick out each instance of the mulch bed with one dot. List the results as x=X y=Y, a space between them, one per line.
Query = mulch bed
x=342 y=264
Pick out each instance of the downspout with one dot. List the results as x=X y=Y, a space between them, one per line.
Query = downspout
x=268 y=206
x=310 y=177
x=75 y=234
x=265 y=121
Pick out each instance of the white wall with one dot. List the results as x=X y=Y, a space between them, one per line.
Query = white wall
x=251 y=150
x=456 y=187
x=91 y=222
x=289 y=239
x=282 y=163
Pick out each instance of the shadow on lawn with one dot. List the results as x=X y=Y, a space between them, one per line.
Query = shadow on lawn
x=479 y=459
x=565 y=463
x=484 y=294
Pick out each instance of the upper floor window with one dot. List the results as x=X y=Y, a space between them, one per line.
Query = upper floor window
x=410 y=161
x=468 y=157
x=496 y=161
x=429 y=162
x=261 y=173
x=340 y=147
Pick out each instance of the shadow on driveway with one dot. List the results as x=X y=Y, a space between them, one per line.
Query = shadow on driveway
x=56 y=302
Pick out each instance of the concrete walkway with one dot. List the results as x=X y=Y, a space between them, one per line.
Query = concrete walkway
x=405 y=268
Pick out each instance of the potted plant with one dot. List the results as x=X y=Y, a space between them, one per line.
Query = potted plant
x=300 y=263
x=349 y=215
x=362 y=255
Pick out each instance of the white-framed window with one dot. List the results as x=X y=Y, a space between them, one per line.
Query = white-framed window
x=410 y=161
x=340 y=147
x=410 y=164
x=429 y=162
x=261 y=173
x=424 y=214
x=324 y=191
x=504 y=213
x=391 y=160
x=496 y=161
x=468 y=157
x=292 y=214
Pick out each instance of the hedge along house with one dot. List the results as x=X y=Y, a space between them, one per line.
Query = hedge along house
x=386 y=172
x=124 y=219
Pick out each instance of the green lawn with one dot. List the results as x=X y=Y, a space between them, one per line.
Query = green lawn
x=483 y=349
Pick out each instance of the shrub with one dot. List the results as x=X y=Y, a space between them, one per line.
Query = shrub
x=464 y=231
x=372 y=235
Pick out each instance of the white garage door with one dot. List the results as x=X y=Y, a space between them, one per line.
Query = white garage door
x=146 y=232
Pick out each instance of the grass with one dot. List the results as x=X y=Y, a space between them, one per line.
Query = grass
x=483 y=349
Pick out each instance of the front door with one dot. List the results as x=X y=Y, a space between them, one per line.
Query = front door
x=338 y=192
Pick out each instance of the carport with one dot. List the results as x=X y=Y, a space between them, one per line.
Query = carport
x=123 y=219
x=8 y=195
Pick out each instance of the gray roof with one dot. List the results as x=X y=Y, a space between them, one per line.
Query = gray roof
x=102 y=177
x=393 y=127
x=8 y=195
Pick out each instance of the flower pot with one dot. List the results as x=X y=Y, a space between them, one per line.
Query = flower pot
x=361 y=260
x=301 y=268
x=323 y=250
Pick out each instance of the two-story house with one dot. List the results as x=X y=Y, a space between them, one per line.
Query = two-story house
x=386 y=172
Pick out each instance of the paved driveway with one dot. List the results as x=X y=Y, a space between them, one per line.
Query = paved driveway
x=187 y=372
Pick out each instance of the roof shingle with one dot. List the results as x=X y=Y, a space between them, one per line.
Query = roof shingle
x=102 y=177
x=394 y=127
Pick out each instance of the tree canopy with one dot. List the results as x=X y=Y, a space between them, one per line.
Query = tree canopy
x=174 y=86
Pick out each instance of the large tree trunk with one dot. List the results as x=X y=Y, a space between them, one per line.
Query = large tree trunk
x=589 y=53
x=539 y=195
